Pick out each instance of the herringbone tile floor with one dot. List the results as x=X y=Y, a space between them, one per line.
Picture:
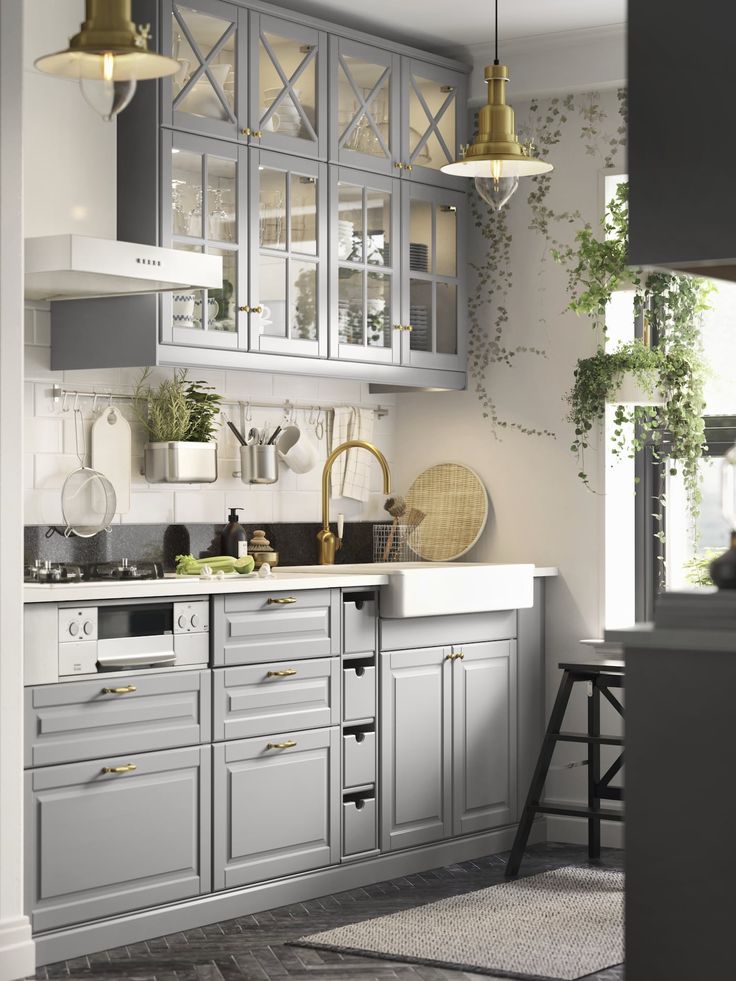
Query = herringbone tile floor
x=253 y=948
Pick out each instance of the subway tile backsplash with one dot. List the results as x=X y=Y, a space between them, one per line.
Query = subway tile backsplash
x=50 y=445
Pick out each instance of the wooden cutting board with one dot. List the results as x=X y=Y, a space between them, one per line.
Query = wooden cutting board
x=111 y=453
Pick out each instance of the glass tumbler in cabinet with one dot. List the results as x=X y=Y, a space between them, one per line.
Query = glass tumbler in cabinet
x=204 y=176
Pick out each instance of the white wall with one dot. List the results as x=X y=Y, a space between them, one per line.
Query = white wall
x=541 y=512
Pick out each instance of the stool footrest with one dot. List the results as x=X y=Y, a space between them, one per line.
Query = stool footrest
x=581 y=811
x=583 y=737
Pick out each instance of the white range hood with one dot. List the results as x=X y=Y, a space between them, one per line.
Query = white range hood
x=72 y=267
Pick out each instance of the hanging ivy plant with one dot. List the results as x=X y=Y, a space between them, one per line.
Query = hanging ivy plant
x=672 y=307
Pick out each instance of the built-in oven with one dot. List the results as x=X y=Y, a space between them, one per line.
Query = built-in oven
x=120 y=635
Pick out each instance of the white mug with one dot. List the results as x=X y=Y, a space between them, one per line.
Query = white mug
x=296 y=449
x=273 y=122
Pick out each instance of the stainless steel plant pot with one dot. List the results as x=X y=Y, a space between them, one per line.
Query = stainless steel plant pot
x=181 y=463
x=258 y=464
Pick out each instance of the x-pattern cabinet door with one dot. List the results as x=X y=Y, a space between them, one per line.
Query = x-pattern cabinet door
x=288 y=86
x=364 y=106
x=365 y=283
x=433 y=121
x=206 y=182
x=288 y=255
x=433 y=289
x=206 y=95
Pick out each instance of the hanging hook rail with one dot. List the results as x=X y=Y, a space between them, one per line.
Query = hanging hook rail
x=61 y=394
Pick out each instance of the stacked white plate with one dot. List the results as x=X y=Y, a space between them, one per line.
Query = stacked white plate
x=418 y=256
x=421 y=333
x=344 y=238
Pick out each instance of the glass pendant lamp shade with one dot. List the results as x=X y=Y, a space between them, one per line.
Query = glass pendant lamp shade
x=496 y=190
x=107 y=98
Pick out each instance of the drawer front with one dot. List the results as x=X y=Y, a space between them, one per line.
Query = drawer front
x=116 y=714
x=101 y=844
x=359 y=622
x=260 y=699
x=359 y=693
x=277 y=810
x=359 y=826
x=278 y=626
x=358 y=759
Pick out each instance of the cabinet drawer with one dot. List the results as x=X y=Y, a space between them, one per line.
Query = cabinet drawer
x=359 y=692
x=80 y=719
x=264 y=627
x=277 y=807
x=259 y=699
x=101 y=844
x=359 y=622
x=359 y=826
x=358 y=759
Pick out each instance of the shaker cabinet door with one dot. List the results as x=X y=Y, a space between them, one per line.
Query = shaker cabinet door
x=207 y=38
x=484 y=736
x=416 y=747
x=276 y=806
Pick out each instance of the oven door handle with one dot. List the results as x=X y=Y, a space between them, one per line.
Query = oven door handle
x=153 y=659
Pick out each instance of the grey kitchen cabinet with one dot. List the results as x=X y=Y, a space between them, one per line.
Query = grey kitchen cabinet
x=256 y=699
x=105 y=843
x=433 y=121
x=116 y=714
x=288 y=255
x=448 y=727
x=276 y=806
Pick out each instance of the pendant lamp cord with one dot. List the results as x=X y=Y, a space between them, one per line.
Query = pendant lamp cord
x=495 y=62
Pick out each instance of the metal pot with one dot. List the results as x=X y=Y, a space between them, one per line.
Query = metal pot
x=181 y=463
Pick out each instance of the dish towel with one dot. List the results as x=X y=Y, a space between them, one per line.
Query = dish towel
x=351 y=472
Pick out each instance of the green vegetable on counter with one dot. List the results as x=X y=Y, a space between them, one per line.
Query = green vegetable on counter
x=187 y=565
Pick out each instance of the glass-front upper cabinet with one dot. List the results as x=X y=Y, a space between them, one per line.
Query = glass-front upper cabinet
x=207 y=180
x=288 y=255
x=364 y=106
x=433 y=121
x=366 y=253
x=206 y=95
x=288 y=86
x=433 y=288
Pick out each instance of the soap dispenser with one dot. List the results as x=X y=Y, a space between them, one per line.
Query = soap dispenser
x=234 y=536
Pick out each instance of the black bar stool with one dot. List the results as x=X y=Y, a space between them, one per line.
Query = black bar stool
x=601 y=676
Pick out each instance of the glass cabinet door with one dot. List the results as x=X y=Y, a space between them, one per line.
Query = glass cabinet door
x=288 y=255
x=433 y=286
x=288 y=66
x=206 y=178
x=364 y=101
x=365 y=237
x=203 y=95
x=432 y=121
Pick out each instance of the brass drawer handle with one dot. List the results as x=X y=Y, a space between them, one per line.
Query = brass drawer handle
x=287 y=744
x=454 y=657
x=280 y=600
x=286 y=673
x=127 y=768
x=128 y=690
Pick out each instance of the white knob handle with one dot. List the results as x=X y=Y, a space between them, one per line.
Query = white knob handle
x=182 y=621
x=194 y=620
x=340 y=524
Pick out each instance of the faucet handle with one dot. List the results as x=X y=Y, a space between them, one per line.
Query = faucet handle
x=340 y=525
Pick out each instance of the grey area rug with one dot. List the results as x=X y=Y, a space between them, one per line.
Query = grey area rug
x=563 y=924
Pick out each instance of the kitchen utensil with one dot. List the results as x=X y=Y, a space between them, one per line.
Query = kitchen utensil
x=111 y=453
x=455 y=504
x=260 y=549
x=238 y=435
x=274 y=435
x=258 y=464
x=296 y=449
x=252 y=435
x=396 y=507
x=87 y=497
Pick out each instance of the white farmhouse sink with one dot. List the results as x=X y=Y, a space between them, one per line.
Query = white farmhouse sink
x=421 y=589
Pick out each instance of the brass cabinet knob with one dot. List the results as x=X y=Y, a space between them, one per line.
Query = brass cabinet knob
x=398 y=327
x=256 y=309
x=258 y=134
x=409 y=166
x=399 y=165
x=280 y=600
x=247 y=131
x=287 y=744
x=408 y=327
x=126 y=768
x=128 y=690
x=286 y=673
x=244 y=309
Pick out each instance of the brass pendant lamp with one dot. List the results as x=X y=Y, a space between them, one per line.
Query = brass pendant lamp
x=108 y=56
x=496 y=159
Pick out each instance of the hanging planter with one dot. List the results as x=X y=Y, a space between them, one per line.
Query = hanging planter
x=637 y=389
x=180 y=419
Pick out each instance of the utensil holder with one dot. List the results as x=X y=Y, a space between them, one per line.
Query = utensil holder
x=258 y=464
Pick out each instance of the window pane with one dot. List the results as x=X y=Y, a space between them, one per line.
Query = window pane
x=420 y=313
x=304 y=214
x=426 y=100
x=279 y=109
x=221 y=303
x=350 y=223
x=186 y=193
x=221 y=199
x=420 y=240
x=303 y=300
x=370 y=134
x=379 y=310
x=272 y=208
x=350 y=306
x=446 y=318
x=378 y=240
x=273 y=295
x=202 y=98
x=447 y=240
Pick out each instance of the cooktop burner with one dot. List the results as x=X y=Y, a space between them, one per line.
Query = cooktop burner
x=43 y=571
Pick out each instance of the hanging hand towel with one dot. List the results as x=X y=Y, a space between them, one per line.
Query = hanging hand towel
x=351 y=471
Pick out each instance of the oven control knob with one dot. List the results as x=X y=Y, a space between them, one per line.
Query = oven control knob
x=182 y=621
x=195 y=620
x=88 y=627
x=74 y=628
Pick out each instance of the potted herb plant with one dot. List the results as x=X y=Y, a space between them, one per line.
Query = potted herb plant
x=180 y=419
x=658 y=386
